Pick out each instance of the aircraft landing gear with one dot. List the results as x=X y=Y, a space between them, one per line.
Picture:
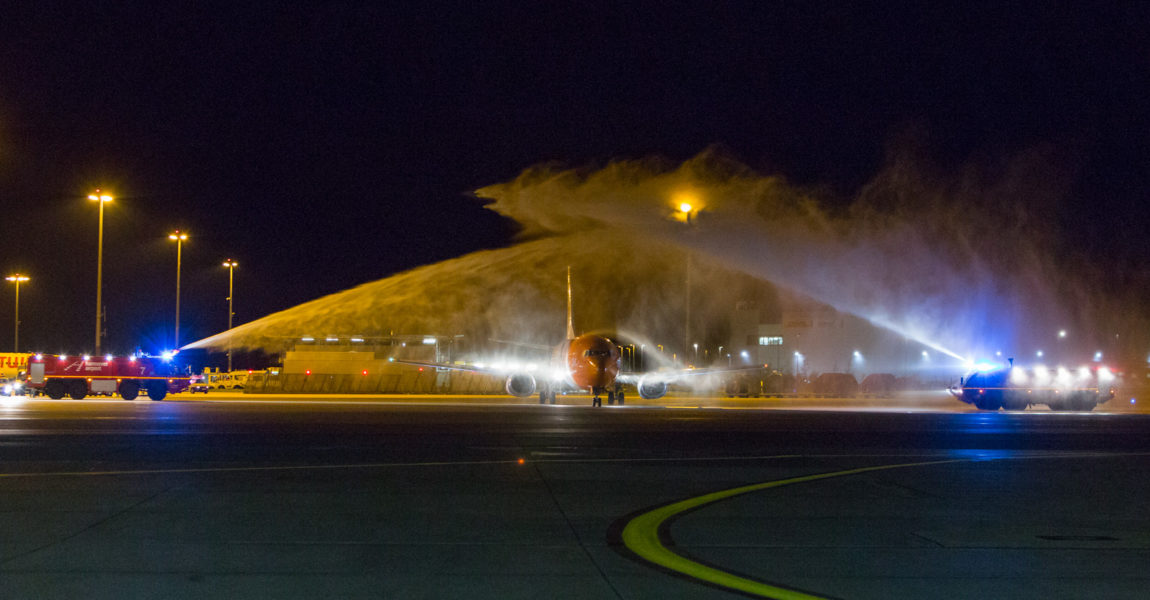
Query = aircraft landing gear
x=595 y=399
x=614 y=396
x=546 y=395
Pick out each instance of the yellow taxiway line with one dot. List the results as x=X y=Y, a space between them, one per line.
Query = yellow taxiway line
x=642 y=535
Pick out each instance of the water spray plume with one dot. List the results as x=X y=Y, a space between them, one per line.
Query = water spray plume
x=967 y=263
x=516 y=293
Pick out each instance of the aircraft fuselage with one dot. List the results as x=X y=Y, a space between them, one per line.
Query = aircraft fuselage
x=591 y=362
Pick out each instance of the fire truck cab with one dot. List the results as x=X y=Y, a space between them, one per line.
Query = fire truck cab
x=81 y=376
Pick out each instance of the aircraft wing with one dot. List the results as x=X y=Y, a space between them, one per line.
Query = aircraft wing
x=496 y=369
x=452 y=366
x=543 y=347
x=671 y=375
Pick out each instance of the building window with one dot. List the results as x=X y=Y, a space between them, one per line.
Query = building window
x=771 y=340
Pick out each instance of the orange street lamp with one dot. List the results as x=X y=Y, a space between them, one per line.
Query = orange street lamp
x=231 y=266
x=102 y=198
x=178 y=237
x=17 y=279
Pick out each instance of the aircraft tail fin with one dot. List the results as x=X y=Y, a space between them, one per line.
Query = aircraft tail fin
x=570 y=325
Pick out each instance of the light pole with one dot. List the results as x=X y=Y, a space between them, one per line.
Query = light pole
x=17 y=278
x=686 y=208
x=231 y=266
x=179 y=237
x=102 y=198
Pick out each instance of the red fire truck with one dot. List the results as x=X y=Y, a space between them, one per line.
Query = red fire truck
x=80 y=376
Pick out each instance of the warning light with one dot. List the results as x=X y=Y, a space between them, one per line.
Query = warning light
x=365 y=372
x=420 y=369
x=307 y=372
x=521 y=461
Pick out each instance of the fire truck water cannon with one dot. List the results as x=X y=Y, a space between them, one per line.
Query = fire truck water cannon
x=992 y=386
x=62 y=375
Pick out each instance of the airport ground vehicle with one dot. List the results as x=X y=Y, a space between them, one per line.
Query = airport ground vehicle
x=759 y=382
x=127 y=376
x=214 y=379
x=836 y=385
x=880 y=385
x=11 y=386
x=13 y=364
x=1016 y=388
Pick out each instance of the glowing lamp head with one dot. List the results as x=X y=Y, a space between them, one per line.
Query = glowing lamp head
x=231 y=264
x=1017 y=376
x=178 y=235
x=98 y=196
x=685 y=207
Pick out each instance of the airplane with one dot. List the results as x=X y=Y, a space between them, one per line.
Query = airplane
x=589 y=362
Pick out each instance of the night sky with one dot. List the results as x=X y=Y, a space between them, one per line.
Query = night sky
x=323 y=145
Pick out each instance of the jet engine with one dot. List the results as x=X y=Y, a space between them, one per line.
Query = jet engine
x=520 y=385
x=651 y=388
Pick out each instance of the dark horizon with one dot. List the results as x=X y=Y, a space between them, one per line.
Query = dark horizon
x=326 y=147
